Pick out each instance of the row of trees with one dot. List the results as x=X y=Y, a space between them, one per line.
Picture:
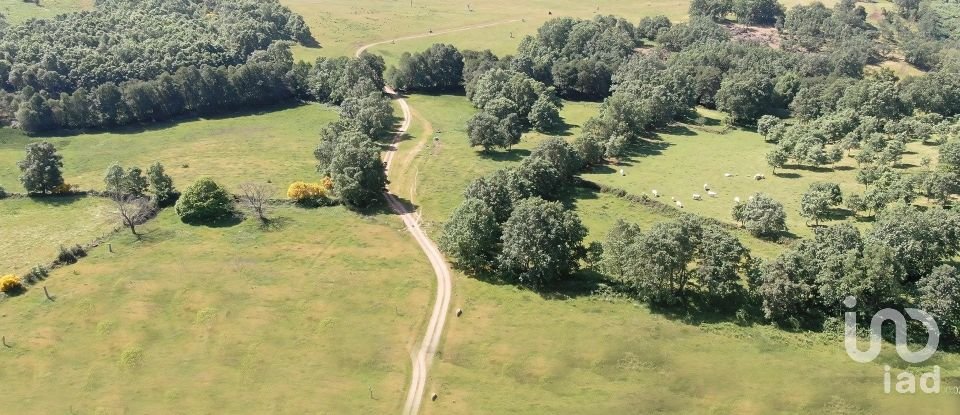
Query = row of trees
x=751 y=12
x=509 y=103
x=508 y=225
x=268 y=77
x=124 y=40
x=437 y=69
x=348 y=152
x=899 y=259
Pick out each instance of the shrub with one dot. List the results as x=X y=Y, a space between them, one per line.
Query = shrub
x=64 y=189
x=302 y=192
x=38 y=273
x=70 y=255
x=10 y=284
x=204 y=201
x=3 y=192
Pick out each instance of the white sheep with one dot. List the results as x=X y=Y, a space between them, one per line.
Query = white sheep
x=679 y=204
x=736 y=199
x=623 y=173
x=655 y=193
x=728 y=175
x=706 y=187
x=712 y=194
x=696 y=196
x=673 y=198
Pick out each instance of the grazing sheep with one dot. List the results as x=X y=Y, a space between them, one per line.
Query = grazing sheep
x=679 y=205
x=759 y=176
x=696 y=196
x=623 y=173
x=655 y=193
x=706 y=187
x=728 y=175
x=712 y=194
x=673 y=198
x=736 y=199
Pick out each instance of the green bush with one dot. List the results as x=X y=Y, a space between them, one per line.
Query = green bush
x=204 y=201
x=3 y=192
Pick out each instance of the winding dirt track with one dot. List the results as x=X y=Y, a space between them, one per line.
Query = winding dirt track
x=441 y=32
x=423 y=357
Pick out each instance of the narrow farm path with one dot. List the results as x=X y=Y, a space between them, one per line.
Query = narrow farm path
x=437 y=33
x=422 y=357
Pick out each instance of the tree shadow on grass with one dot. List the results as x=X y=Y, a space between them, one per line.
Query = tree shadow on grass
x=675 y=129
x=516 y=154
x=224 y=222
x=783 y=175
x=814 y=169
x=384 y=208
x=54 y=200
x=562 y=130
x=275 y=224
x=172 y=122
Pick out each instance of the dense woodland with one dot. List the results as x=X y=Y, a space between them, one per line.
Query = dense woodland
x=129 y=61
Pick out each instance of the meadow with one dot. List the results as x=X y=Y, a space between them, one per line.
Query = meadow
x=34 y=229
x=274 y=145
x=312 y=315
x=17 y=11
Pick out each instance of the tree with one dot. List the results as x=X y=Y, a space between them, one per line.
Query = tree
x=439 y=68
x=777 y=158
x=203 y=202
x=255 y=197
x=115 y=180
x=40 y=169
x=471 y=236
x=651 y=27
x=950 y=155
x=133 y=210
x=919 y=240
x=487 y=131
x=135 y=182
x=163 y=190
x=818 y=199
x=761 y=215
x=542 y=242
x=500 y=190
x=745 y=95
x=713 y=9
x=560 y=155
x=355 y=167
x=940 y=295
x=758 y=12
x=545 y=115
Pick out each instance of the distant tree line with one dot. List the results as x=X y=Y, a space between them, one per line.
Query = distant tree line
x=129 y=62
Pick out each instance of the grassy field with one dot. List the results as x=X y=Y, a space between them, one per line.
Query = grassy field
x=275 y=145
x=514 y=351
x=685 y=158
x=17 y=11
x=341 y=26
x=33 y=230
x=306 y=317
